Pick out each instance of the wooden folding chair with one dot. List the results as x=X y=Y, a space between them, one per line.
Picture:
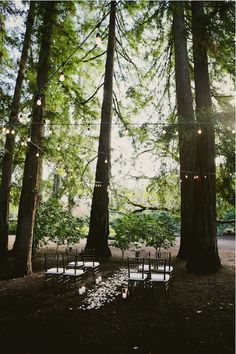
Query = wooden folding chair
x=136 y=274
x=159 y=277
x=167 y=257
x=54 y=268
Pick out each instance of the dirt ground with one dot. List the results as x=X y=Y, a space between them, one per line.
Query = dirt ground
x=199 y=318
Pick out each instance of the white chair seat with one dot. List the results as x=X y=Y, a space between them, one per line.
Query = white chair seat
x=78 y=264
x=137 y=276
x=73 y=272
x=146 y=267
x=90 y=264
x=169 y=269
x=159 y=277
x=55 y=271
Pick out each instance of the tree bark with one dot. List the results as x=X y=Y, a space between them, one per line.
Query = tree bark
x=186 y=127
x=99 y=216
x=10 y=138
x=204 y=258
x=29 y=192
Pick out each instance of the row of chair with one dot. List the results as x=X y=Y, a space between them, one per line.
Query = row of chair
x=150 y=272
x=70 y=267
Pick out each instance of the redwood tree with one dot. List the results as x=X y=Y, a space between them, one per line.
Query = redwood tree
x=29 y=192
x=186 y=127
x=99 y=216
x=10 y=138
x=204 y=258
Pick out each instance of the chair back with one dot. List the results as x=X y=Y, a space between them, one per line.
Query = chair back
x=157 y=265
x=135 y=265
x=88 y=255
x=164 y=255
x=142 y=254
x=71 y=255
x=53 y=260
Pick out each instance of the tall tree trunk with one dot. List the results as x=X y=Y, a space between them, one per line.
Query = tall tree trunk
x=29 y=192
x=186 y=127
x=204 y=258
x=99 y=217
x=10 y=138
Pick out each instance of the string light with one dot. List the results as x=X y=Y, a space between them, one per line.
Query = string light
x=106 y=161
x=199 y=131
x=12 y=131
x=98 y=39
x=62 y=76
x=39 y=101
x=7 y=131
x=37 y=155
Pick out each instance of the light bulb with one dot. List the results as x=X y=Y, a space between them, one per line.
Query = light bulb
x=62 y=76
x=98 y=39
x=7 y=131
x=39 y=102
x=106 y=161
x=13 y=132
x=186 y=176
x=28 y=139
x=37 y=155
x=199 y=131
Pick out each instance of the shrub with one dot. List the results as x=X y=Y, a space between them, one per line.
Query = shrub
x=54 y=224
x=12 y=227
x=157 y=229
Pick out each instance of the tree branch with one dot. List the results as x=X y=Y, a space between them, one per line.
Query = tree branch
x=93 y=58
x=89 y=99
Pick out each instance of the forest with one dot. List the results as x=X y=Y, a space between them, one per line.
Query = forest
x=124 y=111
x=117 y=136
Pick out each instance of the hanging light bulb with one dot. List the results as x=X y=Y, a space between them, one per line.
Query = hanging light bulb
x=20 y=117
x=37 y=155
x=98 y=39
x=199 y=131
x=186 y=176
x=62 y=76
x=106 y=161
x=7 y=131
x=39 y=101
x=13 y=132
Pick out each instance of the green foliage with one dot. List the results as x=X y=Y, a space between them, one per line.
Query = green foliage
x=12 y=227
x=225 y=213
x=55 y=224
x=157 y=229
